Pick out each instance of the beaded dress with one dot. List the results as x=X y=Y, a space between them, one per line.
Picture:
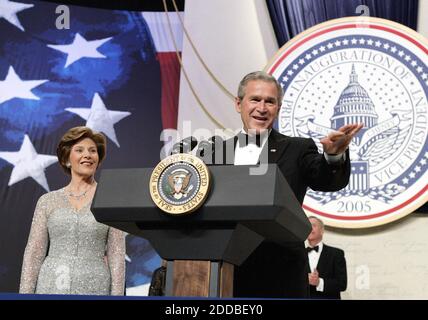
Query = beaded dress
x=69 y=252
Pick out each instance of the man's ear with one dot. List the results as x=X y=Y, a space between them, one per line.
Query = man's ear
x=238 y=105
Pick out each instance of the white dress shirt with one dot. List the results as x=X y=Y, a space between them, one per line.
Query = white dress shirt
x=249 y=154
x=314 y=257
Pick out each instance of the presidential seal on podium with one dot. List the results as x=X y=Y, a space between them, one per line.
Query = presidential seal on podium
x=179 y=184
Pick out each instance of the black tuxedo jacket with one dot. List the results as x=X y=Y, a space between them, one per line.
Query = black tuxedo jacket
x=274 y=271
x=332 y=268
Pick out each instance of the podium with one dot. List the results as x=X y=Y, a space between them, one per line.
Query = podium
x=203 y=247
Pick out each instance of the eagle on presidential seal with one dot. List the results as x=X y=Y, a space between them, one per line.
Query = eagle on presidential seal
x=178 y=181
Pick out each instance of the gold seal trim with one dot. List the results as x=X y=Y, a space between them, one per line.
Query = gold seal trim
x=199 y=196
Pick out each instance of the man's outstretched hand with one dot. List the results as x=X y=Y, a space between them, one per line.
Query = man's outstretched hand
x=338 y=141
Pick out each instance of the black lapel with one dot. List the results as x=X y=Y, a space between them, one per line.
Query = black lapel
x=235 y=141
x=276 y=146
x=322 y=260
x=229 y=150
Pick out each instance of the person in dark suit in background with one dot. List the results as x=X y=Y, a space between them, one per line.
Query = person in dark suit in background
x=274 y=271
x=327 y=264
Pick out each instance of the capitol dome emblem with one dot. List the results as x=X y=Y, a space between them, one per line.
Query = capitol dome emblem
x=376 y=72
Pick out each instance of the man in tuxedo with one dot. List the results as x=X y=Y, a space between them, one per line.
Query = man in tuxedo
x=327 y=265
x=274 y=271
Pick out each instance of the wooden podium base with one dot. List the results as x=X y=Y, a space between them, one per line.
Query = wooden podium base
x=189 y=278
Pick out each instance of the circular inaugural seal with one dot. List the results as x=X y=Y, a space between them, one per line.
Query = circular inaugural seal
x=361 y=70
x=179 y=184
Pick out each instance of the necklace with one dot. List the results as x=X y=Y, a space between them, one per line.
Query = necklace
x=78 y=196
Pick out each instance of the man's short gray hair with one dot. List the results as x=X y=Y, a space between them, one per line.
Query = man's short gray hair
x=263 y=76
x=318 y=219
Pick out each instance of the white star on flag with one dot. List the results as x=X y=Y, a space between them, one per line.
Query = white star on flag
x=28 y=163
x=80 y=48
x=9 y=9
x=98 y=118
x=14 y=87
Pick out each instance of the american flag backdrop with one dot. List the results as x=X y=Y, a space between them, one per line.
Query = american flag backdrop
x=115 y=71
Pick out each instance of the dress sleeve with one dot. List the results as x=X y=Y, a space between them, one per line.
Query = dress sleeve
x=35 y=251
x=116 y=260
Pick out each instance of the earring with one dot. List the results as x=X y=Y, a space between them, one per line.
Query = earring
x=68 y=165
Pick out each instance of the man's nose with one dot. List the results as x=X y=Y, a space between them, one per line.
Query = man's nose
x=261 y=107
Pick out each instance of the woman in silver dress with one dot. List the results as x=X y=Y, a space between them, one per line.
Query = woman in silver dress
x=68 y=251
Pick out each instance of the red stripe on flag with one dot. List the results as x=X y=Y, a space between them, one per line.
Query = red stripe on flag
x=170 y=77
